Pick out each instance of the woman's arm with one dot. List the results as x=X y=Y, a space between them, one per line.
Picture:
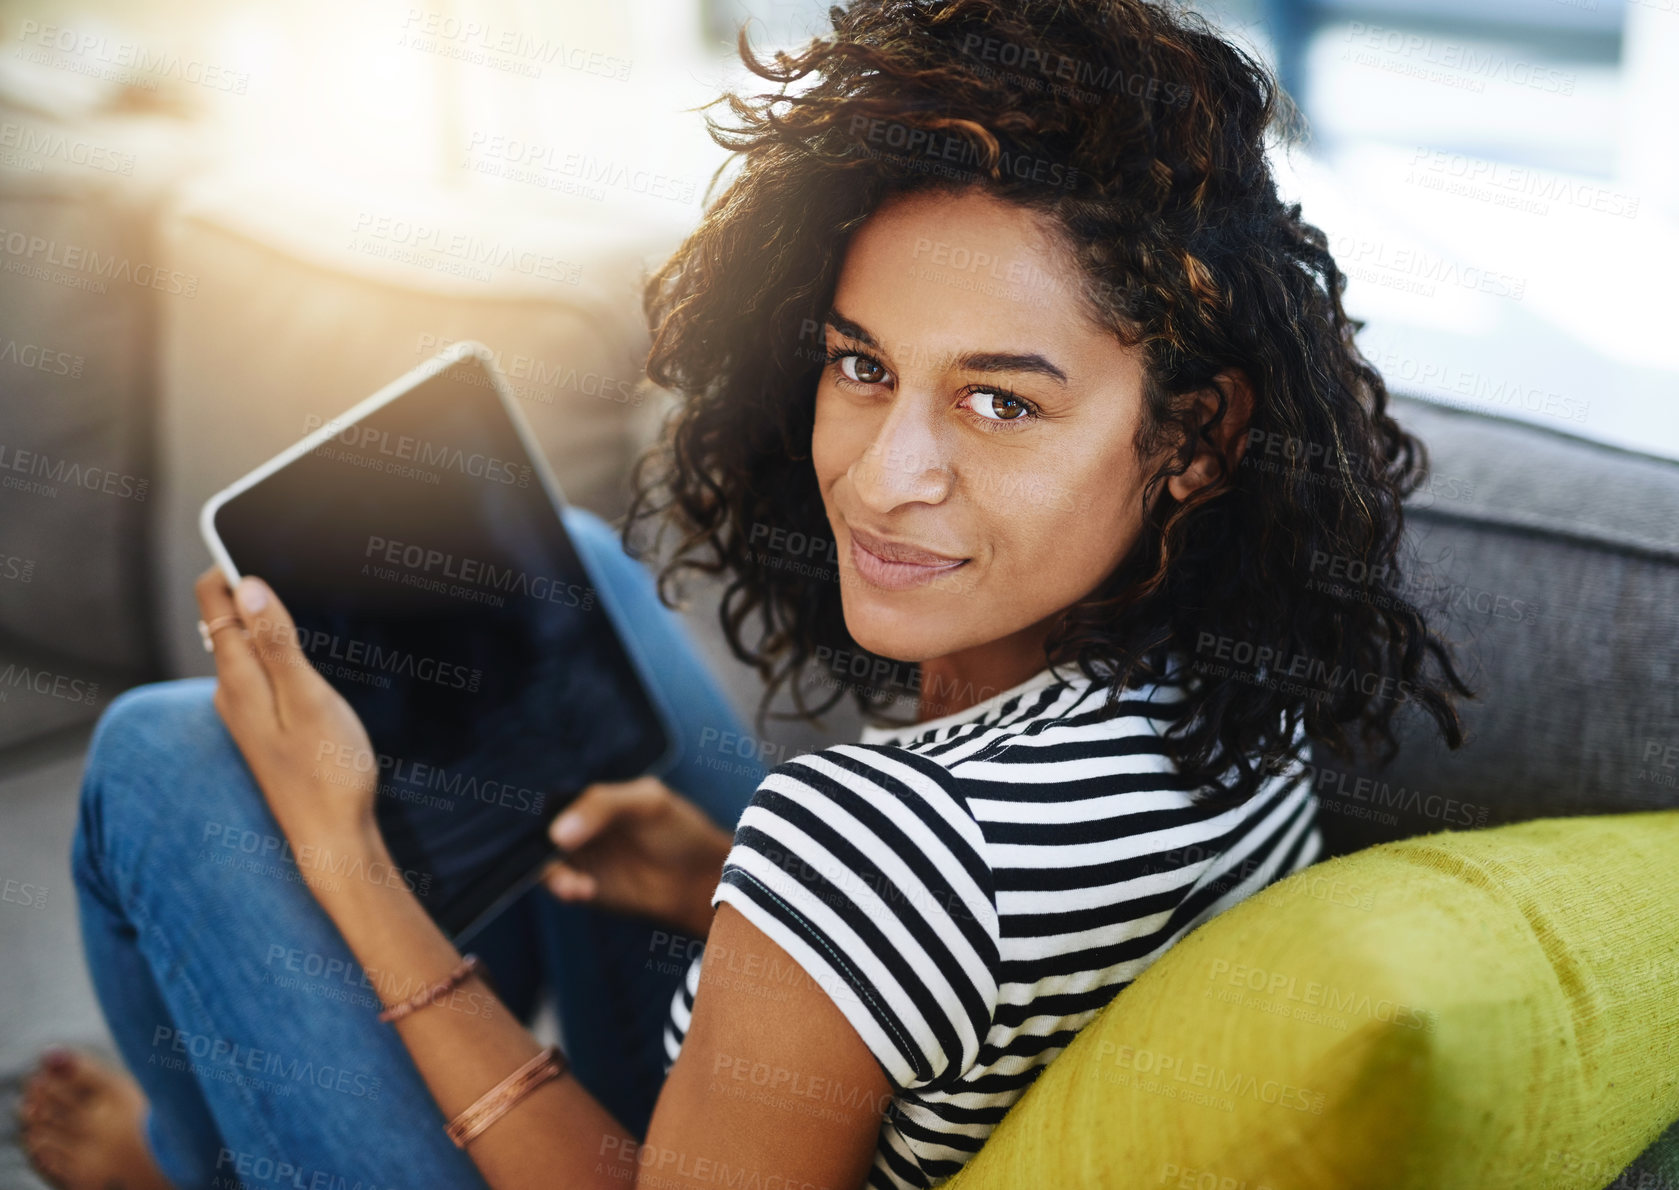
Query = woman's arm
x=773 y=1087
x=739 y=1098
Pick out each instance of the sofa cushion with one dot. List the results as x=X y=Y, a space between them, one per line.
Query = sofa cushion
x=1554 y=564
x=81 y=279
x=1474 y=1009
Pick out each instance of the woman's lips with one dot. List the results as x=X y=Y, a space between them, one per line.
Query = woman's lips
x=907 y=567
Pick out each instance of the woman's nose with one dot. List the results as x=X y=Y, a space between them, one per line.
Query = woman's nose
x=904 y=463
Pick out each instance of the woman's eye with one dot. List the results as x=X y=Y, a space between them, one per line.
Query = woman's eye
x=997 y=406
x=861 y=369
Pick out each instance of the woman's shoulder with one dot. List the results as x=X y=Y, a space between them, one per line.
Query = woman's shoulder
x=874 y=797
x=865 y=865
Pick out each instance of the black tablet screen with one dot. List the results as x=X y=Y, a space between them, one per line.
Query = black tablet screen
x=434 y=585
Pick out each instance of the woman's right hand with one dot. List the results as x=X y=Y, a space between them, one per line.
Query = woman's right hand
x=639 y=847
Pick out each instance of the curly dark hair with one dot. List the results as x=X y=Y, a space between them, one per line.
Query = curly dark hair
x=1141 y=133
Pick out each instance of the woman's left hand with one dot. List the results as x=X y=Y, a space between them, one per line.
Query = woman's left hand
x=306 y=747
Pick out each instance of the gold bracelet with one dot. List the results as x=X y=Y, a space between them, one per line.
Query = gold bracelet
x=434 y=993
x=494 y=1103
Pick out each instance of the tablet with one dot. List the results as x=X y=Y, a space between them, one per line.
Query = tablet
x=419 y=542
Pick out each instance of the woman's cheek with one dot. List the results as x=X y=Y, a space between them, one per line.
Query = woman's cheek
x=832 y=449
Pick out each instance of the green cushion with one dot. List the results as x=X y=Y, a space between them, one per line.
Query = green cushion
x=1473 y=1010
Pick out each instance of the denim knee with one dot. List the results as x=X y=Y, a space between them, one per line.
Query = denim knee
x=160 y=764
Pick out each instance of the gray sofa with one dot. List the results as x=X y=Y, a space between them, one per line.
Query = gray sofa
x=1555 y=562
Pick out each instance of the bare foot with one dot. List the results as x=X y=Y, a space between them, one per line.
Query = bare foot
x=81 y=1124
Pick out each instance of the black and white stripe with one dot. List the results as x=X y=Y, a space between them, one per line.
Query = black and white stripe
x=973 y=890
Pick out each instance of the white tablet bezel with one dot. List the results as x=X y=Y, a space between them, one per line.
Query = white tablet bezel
x=455 y=353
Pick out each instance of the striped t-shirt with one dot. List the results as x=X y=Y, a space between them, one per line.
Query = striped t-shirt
x=971 y=890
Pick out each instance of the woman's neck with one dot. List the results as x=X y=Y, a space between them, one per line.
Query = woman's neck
x=966 y=678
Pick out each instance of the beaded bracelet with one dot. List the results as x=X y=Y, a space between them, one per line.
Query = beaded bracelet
x=494 y=1103
x=434 y=993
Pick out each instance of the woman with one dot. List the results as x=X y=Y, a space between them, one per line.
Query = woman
x=1004 y=301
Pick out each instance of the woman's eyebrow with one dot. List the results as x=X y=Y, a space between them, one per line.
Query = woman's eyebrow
x=1010 y=361
x=973 y=361
x=849 y=329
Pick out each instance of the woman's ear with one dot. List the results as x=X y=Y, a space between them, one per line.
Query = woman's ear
x=1219 y=458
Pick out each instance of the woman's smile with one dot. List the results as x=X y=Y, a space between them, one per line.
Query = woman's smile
x=895 y=565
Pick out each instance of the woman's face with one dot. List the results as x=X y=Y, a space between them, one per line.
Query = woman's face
x=973 y=437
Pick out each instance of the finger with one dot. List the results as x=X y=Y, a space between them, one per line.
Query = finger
x=599 y=805
x=567 y=883
x=276 y=644
x=239 y=674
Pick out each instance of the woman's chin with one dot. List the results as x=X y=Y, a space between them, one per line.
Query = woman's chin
x=897 y=634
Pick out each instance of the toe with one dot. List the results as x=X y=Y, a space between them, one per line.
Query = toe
x=34 y=1098
x=56 y=1093
x=43 y=1122
x=43 y=1154
x=82 y=1074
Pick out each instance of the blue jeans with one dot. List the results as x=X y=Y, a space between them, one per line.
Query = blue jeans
x=239 y=1008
